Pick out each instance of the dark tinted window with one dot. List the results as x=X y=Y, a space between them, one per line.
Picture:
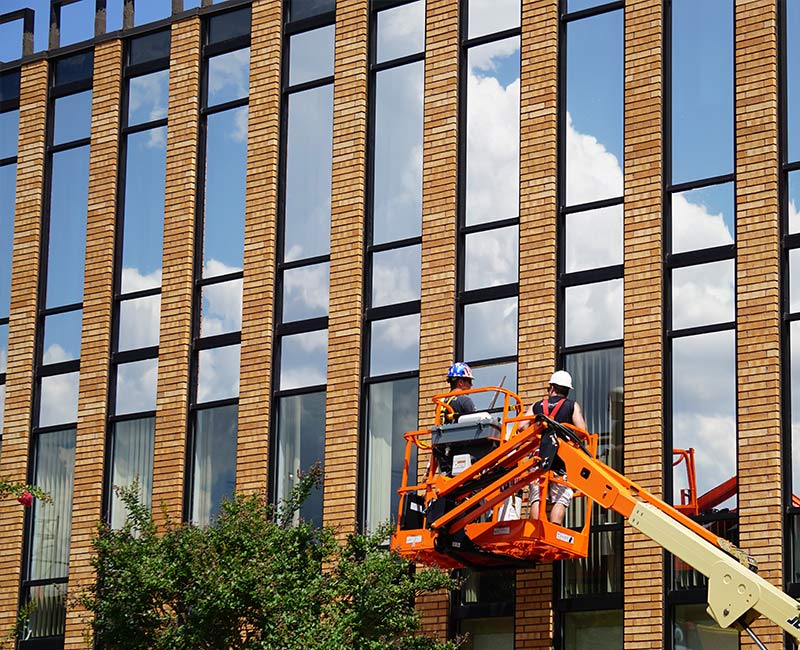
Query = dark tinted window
x=299 y=9
x=74 y=68
x=9 y=86
x=152 y=47
x=229 y=25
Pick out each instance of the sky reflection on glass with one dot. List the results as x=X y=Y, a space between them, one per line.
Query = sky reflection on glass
x=221 y=308
x=62 y=337
x=593 y=238
x=305 y=292
x=72 y=117
x=394 y=345
x=793 y=79
x=490 y=329
x=139 y=323
x=794 y=280
x=493 y=376
x=8 y=184
x=703 y=294
x=397 y=175
x=214 y=471
x=702 y=89
x=401 y=31
x=304 y=359
x=703 y=218
x=593 y=312
x=491 y=16
x=145 y=178
x=794 y=202
x=136 y=386
x=492 y=185
x=226 y=167
x=9 y=132
x=595 y=49
x=308 y=174
x=396 y=276
x=228 y=76
x=3 y=349
x=492 y=258
x=704 y=405
x=148 y=97
x=311 y=55
x=58 y=402
x=67 y=241
x=794 y=339
x=218 y=373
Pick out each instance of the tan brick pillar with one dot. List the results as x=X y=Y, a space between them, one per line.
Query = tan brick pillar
x=643 y=345
x=98 y=295
x=259 y=246
x=439 y=201
x=22 y=325
x=533 y=623
x=347 y=256
x=758 y=296
x=178 y=272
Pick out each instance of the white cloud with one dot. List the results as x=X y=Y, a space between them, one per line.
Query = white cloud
x=594 y=238
x=490 y=16
x=492 y=258
x=401 y=31
x=593 y=172
x=305 y=291
x=59 y=399
x=221 y=308
x=134 y=280
x=136 y=386
x=694 y=227
x=148 y=97
x=594 y=312
x=703 y=294
x=229 y=75
x=55 y=354
x=218 y=374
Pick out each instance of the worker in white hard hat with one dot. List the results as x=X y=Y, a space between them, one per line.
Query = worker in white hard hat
x=557 y=406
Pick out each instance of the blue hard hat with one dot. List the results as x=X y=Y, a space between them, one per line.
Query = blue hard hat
x=460 y=370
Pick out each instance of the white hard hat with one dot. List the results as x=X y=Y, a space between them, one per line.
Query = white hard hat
x=562 y=378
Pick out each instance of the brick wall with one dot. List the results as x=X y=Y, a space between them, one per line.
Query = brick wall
x=346 y=278
x=178 y=271
x=439 y=179
x=96 y=335
x=758 y=295
x=261 y=209
x=537 y=266
x=22 y=325
x=643 y=353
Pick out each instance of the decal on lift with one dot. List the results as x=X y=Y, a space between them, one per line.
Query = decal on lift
x=563 y=537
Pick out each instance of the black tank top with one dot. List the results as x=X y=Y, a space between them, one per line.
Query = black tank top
x=564 y=413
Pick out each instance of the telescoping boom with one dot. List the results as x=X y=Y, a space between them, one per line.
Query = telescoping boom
x=464 y=510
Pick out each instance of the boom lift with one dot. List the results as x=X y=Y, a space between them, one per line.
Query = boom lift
x=458 y=514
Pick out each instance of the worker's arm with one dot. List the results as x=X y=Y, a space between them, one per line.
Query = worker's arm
x=577 y=417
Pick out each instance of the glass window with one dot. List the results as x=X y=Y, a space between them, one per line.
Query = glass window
x=299 y=9
x=150 y=47
x=78 y=67
x=132 y=461
x=232 y=24
x=311 y=55
x=54 y=471
x=69 y=196
x=221 y=308
x=490 y=329
x=77 y=22
x=704 y=408
x=593 y=313
x=301 y=444
x=214 y=470
x=794 y=201
x=8 y=184
x=693 y=629
x=394 y=345
x=492 y=186
x=496 y=633
x=307 y=215
x=492 y=258
x=9 y=85
x=58 y=400
x=2 y=403
x=62 y=337
x=702 y=89
x=228 y=76
x=9 y=132
x=593 y=238
x=3 y=350
x=226 y=166
x=48 y=617
x=594 y=135
x=703 y=218
x=793 y=80
x=136 y=386
x=218 y=373
x=139 y=323
x=396 y=276
x=401 y=31
x=145 y=178
x=392 y=411
x=148 y=97
x=305 y=292
x=490 y=16
x=593 y=630
x=304 y=359
x=498 y=374
x=703 y=294
x=72 y=117
x=794 y=339
x=397 y=168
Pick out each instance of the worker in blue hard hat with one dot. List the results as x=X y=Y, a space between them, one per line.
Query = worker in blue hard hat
x=460 y=377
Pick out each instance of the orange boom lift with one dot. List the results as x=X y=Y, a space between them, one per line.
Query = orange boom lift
x=464 y=510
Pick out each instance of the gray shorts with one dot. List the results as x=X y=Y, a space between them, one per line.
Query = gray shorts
x=557 y=493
